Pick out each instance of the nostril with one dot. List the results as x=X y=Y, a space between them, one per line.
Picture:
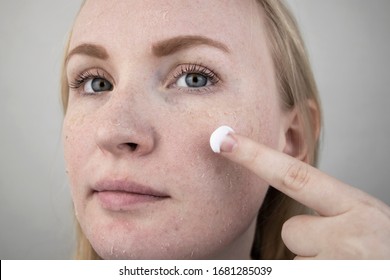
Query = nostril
x=132 y=146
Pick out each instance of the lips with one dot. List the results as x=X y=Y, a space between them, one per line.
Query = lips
x=121 y=195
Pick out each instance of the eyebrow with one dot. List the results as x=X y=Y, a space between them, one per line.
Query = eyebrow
x=89 y=50
x=175 y=44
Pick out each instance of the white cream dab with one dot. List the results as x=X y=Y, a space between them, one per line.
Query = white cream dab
x=217 y=137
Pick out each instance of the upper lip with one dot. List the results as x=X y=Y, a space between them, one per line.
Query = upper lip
x=121 y=185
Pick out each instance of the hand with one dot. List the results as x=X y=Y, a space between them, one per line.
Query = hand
x=350 y=223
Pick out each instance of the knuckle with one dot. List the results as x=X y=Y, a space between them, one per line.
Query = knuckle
x=296 y=176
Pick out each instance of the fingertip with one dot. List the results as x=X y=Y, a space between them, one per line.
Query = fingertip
x=220 y=141
x=228 y=144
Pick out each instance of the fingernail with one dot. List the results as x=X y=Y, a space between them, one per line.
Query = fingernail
x=221 y=141
x=228 y=144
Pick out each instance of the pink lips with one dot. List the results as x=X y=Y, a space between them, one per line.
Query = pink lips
x=121 y=195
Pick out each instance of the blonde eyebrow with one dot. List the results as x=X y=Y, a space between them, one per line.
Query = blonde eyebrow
x=89 y=50
x=175 y=44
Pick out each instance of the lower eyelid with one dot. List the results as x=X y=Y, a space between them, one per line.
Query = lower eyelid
x=200 y=90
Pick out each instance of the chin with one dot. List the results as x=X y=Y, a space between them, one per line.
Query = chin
x=114 y=240
x=149 y=245
x=116 y=250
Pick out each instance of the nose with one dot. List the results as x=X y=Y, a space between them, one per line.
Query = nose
x=122 y=131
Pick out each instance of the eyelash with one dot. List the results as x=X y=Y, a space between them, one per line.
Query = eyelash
x=196 y=68
x=85 y=76
x=184 y=69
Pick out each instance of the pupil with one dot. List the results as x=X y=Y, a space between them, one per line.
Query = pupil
x=196 y=80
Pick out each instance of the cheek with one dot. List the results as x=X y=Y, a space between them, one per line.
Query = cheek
x=77 y=139
x=220 y=182
x=217 y=186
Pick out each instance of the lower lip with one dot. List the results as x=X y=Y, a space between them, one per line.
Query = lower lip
x=121 y=201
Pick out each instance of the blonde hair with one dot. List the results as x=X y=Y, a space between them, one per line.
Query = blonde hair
x=298 y=90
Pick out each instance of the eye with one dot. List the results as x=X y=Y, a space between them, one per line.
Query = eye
x=194 y=77
x=193 y=80
x=94 y=85
x=91 y=82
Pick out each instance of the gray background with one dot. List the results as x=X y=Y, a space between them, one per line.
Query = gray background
x=348 y=42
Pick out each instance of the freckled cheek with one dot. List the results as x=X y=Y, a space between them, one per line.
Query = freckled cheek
x=77 y=139
x=261 y=123
x=254 y=117
x=210 y=177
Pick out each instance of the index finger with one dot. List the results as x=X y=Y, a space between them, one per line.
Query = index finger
x=298 y=180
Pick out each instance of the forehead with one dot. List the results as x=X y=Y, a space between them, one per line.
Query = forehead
x=133 y=23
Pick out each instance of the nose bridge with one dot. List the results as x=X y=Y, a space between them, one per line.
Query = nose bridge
x=125 y=126
x=121 y=108
x=132 y=95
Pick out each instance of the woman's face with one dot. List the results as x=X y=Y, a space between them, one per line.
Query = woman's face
x=149 y=82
